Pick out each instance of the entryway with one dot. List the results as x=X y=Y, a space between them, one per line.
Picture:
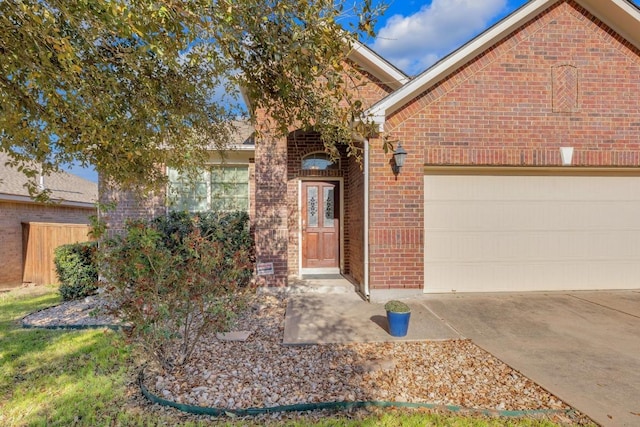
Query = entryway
x=320 y=217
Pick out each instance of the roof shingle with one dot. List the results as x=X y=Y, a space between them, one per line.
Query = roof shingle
x=64 y=186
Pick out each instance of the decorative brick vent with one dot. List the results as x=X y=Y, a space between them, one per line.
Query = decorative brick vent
x=565 y=88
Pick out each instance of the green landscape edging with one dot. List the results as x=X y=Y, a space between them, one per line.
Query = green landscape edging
x=73 y=327
x=26 y=325
x=204 y=410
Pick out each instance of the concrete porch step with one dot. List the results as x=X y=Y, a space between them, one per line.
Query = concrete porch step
x=314 y=284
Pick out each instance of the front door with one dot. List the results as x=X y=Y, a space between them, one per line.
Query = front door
x=321 y=226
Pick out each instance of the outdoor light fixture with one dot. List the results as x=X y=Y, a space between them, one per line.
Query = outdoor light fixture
x=399 y=156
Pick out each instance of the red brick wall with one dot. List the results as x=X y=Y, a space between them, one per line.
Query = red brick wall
x=128 y=206
x=396 y=220
x=270 y=225
x=368 y=89
x=504 y=113
x=252 y=191
x=12 y=214
x=277 y=172
x=507 y=107
x=354 y=220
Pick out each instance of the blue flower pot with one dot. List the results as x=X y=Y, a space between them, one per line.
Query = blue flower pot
x=398 y=323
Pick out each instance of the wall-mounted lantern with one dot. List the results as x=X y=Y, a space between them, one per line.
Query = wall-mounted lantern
x=399 y=156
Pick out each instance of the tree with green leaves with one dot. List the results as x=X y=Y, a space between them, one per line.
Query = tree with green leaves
x=127 y=85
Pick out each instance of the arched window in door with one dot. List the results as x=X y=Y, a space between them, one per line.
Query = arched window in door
x=319 y=161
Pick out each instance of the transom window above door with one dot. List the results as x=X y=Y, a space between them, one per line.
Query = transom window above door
x=319 y=161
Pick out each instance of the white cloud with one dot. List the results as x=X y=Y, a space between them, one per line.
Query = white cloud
x=415 y=42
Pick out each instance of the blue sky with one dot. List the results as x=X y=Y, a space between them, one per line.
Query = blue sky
x=414 y=34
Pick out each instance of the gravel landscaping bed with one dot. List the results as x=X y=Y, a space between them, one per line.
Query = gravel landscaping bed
x=85 y=312
x=261 y=372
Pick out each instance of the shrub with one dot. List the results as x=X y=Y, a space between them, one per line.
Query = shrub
x=178 y=277
x=77 y=270
x=230 y=229
x=397 y=307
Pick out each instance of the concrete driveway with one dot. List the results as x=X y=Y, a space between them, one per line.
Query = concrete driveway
x=584 y=347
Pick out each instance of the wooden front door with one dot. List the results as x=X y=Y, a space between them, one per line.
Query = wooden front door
x=320 y=225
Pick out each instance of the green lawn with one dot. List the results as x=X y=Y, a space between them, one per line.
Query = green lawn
x=68 y=377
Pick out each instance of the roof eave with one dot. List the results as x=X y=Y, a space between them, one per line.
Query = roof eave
x=242 y=147
x=377 y=66
x=245 y=98
x=59 y=202
x=620 y=15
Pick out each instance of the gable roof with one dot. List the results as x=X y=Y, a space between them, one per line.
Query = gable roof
x=379 y=67
x=68 y=189
x=620 y=15
x=370 y=62
x=242 y=137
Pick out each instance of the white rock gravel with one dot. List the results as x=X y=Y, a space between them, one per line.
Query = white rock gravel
x=261 y=372
x=83 y=312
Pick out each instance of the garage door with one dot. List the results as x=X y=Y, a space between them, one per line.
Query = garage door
x=524 y=233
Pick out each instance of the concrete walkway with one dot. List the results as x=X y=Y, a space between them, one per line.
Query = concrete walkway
x=328 y=310
x=584 y=347
x=344 y=318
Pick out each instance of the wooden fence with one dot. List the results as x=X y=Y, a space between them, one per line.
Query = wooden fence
x=39 y=241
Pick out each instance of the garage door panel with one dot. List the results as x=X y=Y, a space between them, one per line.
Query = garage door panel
x=492 y=233
x=550 y=245
x=447 y=187
x=539 y=215
x=506 y=277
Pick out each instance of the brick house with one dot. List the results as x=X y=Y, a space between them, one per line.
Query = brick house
x=73 y=202
x=485 y=201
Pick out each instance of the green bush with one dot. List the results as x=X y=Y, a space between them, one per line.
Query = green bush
x=178 y=277
x=229 y=229
x=77 y=270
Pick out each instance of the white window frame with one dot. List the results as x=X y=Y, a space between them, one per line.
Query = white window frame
x=207 y=172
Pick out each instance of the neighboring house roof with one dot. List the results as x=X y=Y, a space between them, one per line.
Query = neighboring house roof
x=68 y=189
x=620 y=15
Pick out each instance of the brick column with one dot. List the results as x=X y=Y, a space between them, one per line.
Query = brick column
x=271 y=231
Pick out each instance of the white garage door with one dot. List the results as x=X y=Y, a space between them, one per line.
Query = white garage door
x=517 y=233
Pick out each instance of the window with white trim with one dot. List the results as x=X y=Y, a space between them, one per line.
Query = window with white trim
x=219 y=187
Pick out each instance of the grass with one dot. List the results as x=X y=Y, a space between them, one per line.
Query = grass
x=68 y=377
x=56 y=377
